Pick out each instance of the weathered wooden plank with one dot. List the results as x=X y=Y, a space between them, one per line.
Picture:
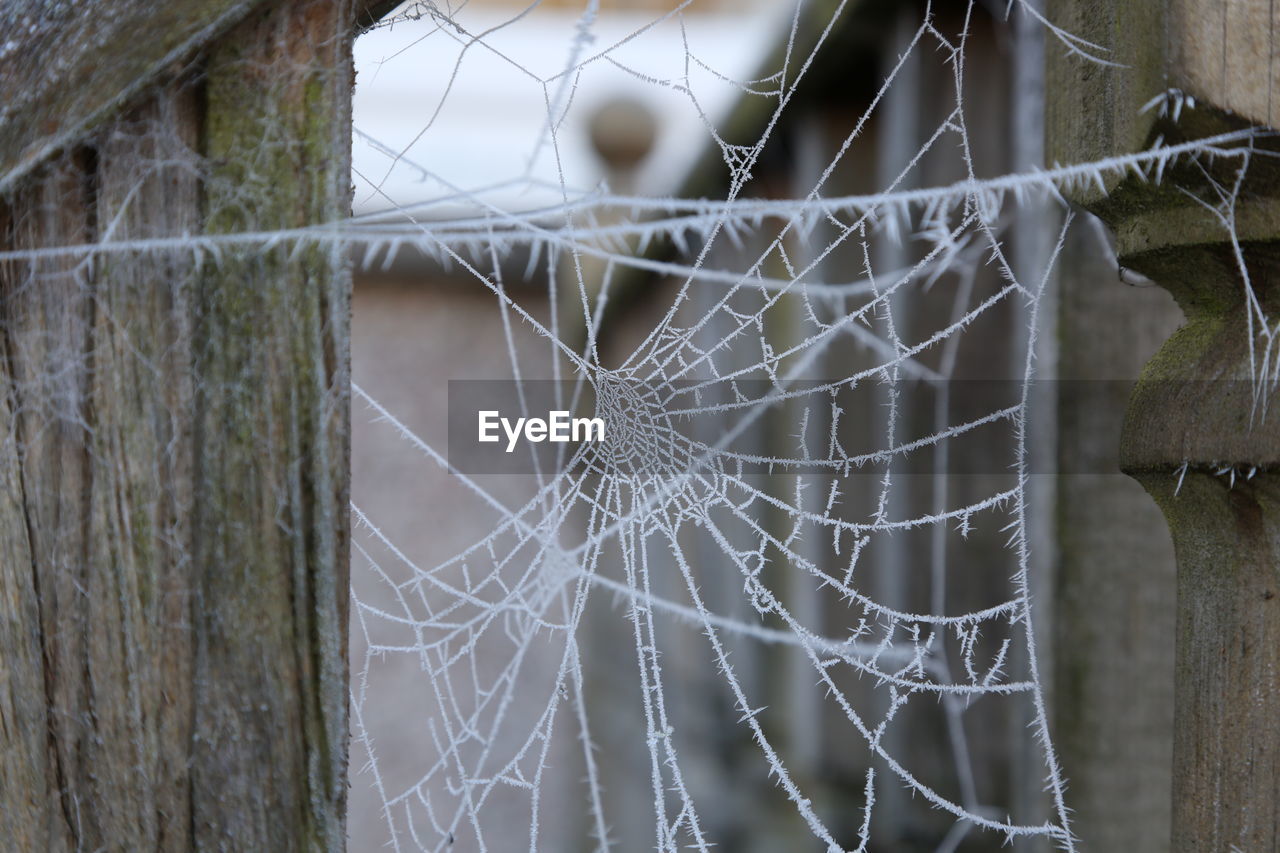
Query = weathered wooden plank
x=42 y=309
x=1194 y=439
x=23 y=742
x=141 y=470
x=65 y=68
x=272 y=456
x=173 y=465
x=47 y=313
x=1226 y=759
x=1225 y=53
x=1093 y=110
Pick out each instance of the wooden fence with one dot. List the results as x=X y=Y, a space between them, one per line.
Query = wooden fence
x=173 y=533
x=173 y=510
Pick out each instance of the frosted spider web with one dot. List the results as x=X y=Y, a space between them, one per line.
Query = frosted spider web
x=752 y=535
x=774 y=610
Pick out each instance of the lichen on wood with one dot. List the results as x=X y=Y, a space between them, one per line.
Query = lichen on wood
x=174 y=461
x=1200 y=432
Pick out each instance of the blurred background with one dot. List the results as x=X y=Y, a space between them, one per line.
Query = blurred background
x=451 y=118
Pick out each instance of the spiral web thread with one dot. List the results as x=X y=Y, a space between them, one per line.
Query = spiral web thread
x=737 y=532
x=648 y=525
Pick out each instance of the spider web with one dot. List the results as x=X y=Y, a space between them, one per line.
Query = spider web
x=773 y=527
x=787 y=602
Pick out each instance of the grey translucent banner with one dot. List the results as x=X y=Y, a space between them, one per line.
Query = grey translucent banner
x=633 y=427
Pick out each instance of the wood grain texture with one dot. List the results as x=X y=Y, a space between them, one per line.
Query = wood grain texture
x=272 y=459
x=66 y=68
x=1195 y=415
x=1094 y=111
x=1225 y=52
x=174 y=466
x=47 y=315
x=1196 y=438
x=1222 y=52
x=1227 y=745
x=71 y=65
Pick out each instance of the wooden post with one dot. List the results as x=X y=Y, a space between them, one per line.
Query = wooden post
x=1113 y=599
x=174 y=426
x=1194 y=409
x=1194 y=436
